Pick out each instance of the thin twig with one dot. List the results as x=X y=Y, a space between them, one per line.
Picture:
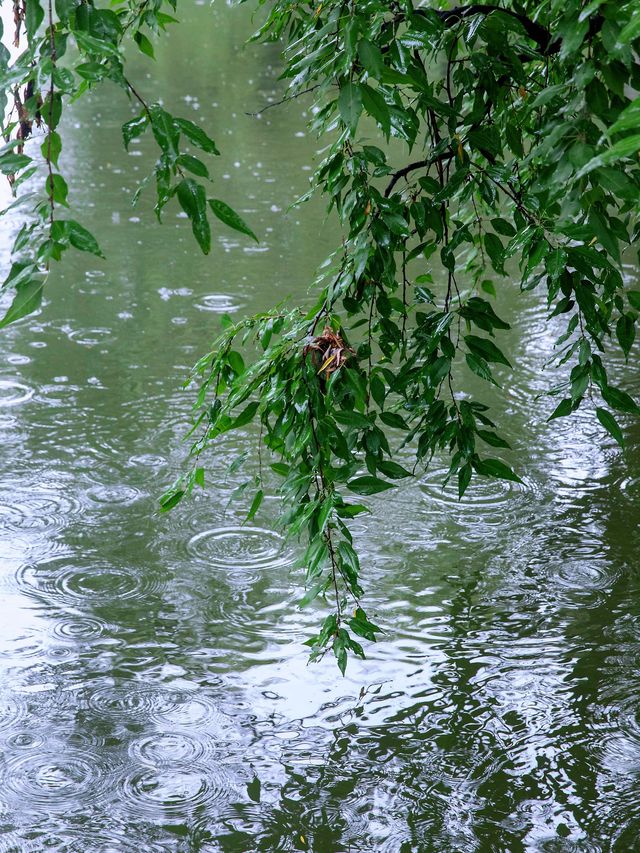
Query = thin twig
x=138 y=97
x=284 y=100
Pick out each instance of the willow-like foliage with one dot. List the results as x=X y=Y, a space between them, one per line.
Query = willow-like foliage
x=56 y=53
x=466 y=150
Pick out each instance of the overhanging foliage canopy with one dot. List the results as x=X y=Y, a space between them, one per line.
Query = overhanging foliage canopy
x=463 y=147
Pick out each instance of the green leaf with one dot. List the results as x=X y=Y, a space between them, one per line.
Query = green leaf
x=246 y=415
x=193 y=201
x=56 y=187
x=634 y=299
x=134 y=128
x=236 y=362
x=34 y=16
x=227 y=215
x=280 y=469
x=368 y=485
x=573 y=34
x=350 y=105
x=376 y=106
x=605 y=235
x=481 y=312
x=629 y=118
x=196 y=135
x=393 y=470
x=486 y=349
x=361 y=626
x=495 y=250
x=631 y=31
x=486 y=140
x=144 y=44
x=77 y=235
x=626 y=332
x=393 y=419
x=11 y=163
x=340 y=651
x=326 y=509
x=192 y=164
x=350 y=510
x=501 y=226
x=94 y=46
x=555 y=263
x=51 y=147
x=313 y=592
x=564 y=408
x=255 y=505
x=82 y=239
x=52 y=110
x=349 y=559
x=165 y=131
x=27 y=299
x=171 y=499
x=496 y=468
x=492 y=439
x=464 y=478
x=610 y=424
x=480 y=367
x=65 y=8
x=371 y=57
x=620 y=400
x=627 y=147
x=353 y=419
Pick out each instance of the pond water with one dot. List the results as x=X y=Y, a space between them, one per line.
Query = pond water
x=154 y=690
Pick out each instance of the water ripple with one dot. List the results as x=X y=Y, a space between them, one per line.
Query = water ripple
x=63 y=578
x=186 y=710
x=13 y=393
x=130 y=701
x=116 y=494
x=94 y=839
x=168 y=749
x=90 y=337
x=24 y=741
x=53 y=782
x=74 y=627
x=155 y=794
x=13 y=709
x=38 y=508
x=239 y=550
x=220 y=303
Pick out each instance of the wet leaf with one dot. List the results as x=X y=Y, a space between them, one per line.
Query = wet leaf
x=227 y=215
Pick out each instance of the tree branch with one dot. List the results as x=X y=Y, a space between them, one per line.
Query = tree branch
x=543 y=37
x=536 y=32
x=412 y=167
x=285 y=100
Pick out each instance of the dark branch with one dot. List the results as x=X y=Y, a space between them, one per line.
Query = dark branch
x=547 y=44
x=412 y=167
x=536 y=32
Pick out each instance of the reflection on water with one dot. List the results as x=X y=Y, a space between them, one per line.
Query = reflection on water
x=154 y=692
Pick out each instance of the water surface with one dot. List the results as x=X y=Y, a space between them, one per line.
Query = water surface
x=154 y=692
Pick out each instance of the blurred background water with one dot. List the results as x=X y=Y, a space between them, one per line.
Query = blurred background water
x=154 y=692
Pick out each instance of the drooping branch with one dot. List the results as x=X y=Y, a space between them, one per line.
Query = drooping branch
x=536 y=32
x=541 y=35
